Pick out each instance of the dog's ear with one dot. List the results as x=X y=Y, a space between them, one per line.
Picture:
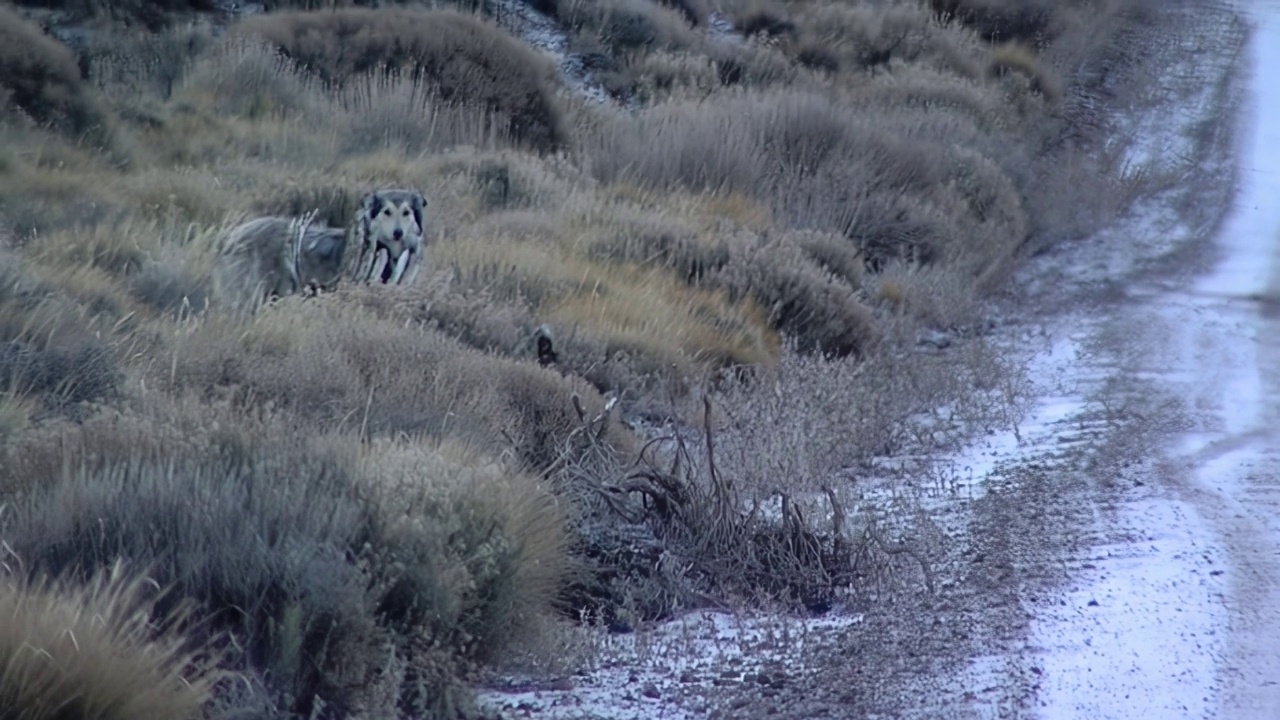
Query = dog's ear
x=372 y=205
x=419 y=204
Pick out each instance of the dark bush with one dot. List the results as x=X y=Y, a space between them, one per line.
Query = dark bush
x=764 y=18
x=259 y=534
x=152 y=14
x=460 y=58
x=695 y=11
x=999 y=20
x=64 y=376
x=40 y=77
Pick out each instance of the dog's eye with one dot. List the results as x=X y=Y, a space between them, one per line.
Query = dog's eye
x=387 y=212
x=405 y=212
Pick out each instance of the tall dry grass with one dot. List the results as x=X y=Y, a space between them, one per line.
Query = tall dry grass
x=94 y=650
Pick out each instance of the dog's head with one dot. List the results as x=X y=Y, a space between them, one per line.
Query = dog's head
x=320 y=257
x=394 y=219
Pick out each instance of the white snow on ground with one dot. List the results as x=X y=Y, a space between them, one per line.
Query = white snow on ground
x=1164 y=624
x=664 y=672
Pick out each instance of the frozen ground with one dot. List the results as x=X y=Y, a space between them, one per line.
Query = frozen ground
x=1119 y=555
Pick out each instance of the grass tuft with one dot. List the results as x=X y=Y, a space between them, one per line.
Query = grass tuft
x=97 y=650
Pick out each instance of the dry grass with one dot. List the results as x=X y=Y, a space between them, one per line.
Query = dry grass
x=95 y=651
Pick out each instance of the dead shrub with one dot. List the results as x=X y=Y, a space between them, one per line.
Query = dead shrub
x=462 y=60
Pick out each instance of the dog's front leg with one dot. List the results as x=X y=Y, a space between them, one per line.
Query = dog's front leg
x=401 y=264
x=380 y=259
x=415 y=266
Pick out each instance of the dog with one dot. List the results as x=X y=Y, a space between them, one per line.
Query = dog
x=272 y=257
x=389 y=237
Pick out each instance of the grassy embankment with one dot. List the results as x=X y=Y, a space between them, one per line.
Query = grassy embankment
x=362 y=495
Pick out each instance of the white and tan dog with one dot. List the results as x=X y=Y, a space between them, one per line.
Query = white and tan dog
x=389 y=237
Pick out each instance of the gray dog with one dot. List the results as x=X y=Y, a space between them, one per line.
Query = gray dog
x=271 y=257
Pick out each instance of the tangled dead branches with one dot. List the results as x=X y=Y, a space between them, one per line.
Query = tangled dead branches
x=723 y=540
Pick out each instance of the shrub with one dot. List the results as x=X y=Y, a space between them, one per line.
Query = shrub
x=445 y=510
x=347 y=580
x=628 y=25
x=815 y=308
x=167 y=286
x=999 y=20
x=259 y=536
x=766 y=17
x=130 y=68
x=888 y=185
x=462 y=59
x=63 y=376
x=40 y=76
x=336 y=367
x=249 y=78
x=153 y=14
x=96 y=650
x=1016 y=59
x=48 y=349
x=695 y=11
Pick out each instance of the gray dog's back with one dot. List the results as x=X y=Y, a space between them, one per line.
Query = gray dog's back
x=274 y=257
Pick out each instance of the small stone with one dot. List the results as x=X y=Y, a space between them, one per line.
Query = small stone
x=763 y=679
x=688 y=677
x=651 y=691
x=935 y=339
x=562 y=685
